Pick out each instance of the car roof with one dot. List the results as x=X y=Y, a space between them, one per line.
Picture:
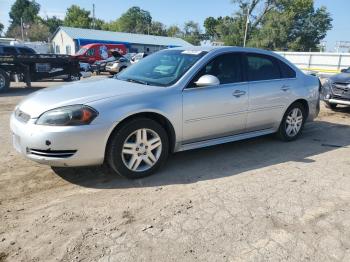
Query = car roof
x=237 y=49
x=229 y=48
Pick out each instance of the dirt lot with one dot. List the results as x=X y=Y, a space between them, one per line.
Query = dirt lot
x=255 y=200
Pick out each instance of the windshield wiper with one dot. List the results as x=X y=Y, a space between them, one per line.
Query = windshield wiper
x=137 y=81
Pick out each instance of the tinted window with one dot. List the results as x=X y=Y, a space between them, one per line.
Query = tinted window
x=227 y=68
x=163 y=68
x=26 y=51
x=9 y=50
x=286 y=71
x=262 y=67
x=90 y=52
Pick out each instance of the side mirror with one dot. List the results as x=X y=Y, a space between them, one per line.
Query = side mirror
x=207 y=80
x=343 y=70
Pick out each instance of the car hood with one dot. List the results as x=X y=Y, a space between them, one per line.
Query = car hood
x=79 y=93
x=341 y=78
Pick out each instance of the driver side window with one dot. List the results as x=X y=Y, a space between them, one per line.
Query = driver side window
x=226 y=67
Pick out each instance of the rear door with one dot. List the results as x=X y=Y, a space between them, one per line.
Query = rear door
x=269 y=91
x=216 y=111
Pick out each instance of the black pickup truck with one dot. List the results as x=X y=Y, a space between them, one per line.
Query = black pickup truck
x=336 y=89
x=33 y=67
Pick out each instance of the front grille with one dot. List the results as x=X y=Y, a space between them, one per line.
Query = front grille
x=51 y=153
x=341 y=89
x=21 y=116
x=110 y=64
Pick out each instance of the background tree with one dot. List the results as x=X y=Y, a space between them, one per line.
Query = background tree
x=77 y=17
x=33 y=32
x=192 y=33
x=174 y=31
x=52 y=23
x=157 y=28
x=24 y=9
x=273 y=24
x=135 y=20
x=210 y=25
x=98 y=24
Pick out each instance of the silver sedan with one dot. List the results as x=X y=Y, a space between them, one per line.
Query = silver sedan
x=173 y=100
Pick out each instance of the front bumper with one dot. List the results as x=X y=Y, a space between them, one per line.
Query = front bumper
x=113 y=69
x=345 y=102
x=336 y=94
x=58 y=145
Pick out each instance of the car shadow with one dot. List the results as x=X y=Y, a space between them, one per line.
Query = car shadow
x=223 y=160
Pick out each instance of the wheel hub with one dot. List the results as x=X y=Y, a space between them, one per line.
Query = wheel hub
x=141 y=150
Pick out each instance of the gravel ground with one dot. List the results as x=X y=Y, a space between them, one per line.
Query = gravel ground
x=254 y=200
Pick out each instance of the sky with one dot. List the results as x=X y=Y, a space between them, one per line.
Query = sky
x=179 y=11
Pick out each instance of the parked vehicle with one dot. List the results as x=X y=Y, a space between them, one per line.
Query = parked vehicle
x=94 y=52
x=173 y=100
x=100 y=66
x=30 y=66
x=16 y=50
x=118 y=65
x=85 y=67
x=138 y=57
x=336 y=89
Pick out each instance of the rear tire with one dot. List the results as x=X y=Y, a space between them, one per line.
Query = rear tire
x=292 y=123
x=4 y=81
x=138 y=148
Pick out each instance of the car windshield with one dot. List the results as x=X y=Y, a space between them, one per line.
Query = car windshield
x=81 y=51
x=163 y=68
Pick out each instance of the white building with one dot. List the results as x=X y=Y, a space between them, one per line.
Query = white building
x=68 y=40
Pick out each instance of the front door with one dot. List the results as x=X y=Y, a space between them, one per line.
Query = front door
x=216 y=111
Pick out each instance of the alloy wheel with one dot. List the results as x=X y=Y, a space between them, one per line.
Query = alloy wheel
x=141 y=150
x=294 y=122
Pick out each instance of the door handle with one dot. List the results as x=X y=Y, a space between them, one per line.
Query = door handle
x=238 y=93
x=285 y=88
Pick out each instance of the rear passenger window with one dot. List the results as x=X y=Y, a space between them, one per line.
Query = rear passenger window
x=262 y=67
x=287 y=71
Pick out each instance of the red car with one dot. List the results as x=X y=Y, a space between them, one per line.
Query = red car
x=94 y=52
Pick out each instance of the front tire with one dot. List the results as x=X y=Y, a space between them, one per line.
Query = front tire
x=4 y=81
x=138 y=148
x=292 y=123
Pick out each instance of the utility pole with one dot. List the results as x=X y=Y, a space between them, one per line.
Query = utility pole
x=93 y=17
x=22 y=33
x=246 y=27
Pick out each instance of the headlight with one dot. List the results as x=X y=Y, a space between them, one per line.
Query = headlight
x=68 y=116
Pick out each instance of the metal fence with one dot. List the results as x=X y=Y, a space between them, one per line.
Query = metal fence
x=330 y=63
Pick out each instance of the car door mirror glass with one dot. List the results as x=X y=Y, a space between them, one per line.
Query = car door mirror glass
x=207 y=80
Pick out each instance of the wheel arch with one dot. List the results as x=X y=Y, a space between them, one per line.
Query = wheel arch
x=158 y=117
x=305 y=104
